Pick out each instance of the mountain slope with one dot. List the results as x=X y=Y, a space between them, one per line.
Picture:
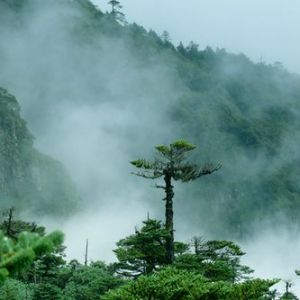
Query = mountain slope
x=117 y=90
x=29 y=180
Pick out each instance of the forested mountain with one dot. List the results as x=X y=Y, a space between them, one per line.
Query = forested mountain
x=30 y=180
x=98 y=93
x=82 y=76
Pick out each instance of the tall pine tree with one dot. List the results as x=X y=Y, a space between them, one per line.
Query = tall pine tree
x=171 y=164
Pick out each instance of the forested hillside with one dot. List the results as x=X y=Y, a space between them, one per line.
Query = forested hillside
x=86 y=101
x=82 y=76
x=30 y=180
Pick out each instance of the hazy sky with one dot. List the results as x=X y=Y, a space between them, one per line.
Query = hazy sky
x=265 y=30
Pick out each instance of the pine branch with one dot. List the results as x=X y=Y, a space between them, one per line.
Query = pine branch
x=209 y=169
x=144 y=175
x=160 y=186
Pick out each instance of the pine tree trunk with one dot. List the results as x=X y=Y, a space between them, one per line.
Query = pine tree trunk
x=169 y=218
x=9 y=223
x=86 y=252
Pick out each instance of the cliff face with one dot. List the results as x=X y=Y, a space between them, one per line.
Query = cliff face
x=29 y=180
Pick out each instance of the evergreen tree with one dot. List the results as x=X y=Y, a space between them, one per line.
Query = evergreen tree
x=46 y=268
x=116 y=10
x=181 y=49
x=171 y=164
x=47 y=291
x=17 y=256
x=171 y=283
x=216 y=260
x=13 y=289
x=12 y=227
x=90 y=282
x=288 y=295
x=142 y=252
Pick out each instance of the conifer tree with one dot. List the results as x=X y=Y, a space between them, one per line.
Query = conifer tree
x=17 y=256
x=116 y=10
x=142 y=252
x=12 y=227
x=170 y=163
x=288 y=295
x=217 y=260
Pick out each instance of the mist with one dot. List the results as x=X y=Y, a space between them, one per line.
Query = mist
x=92 y=107
x=264 y=30
x=95 y=107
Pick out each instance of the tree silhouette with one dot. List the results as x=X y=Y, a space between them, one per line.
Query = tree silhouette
x=116 y=10
x=170 y=163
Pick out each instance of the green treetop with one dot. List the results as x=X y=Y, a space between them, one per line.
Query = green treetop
x=216 y=260
x=142 y=252
x=12 y=227
x=17 y=256
x=171 y=283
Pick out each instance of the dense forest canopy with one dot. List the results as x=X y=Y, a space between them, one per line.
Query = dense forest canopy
x=32 y=267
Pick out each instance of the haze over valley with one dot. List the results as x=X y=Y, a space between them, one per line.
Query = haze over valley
x=85 y=92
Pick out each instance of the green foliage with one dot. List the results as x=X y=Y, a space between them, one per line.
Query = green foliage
x=171 y=283
x=29 y=179
x=163 y=149
x=19 y=226
x=171 y=164
x=212 y=272
x=239 y=112
x=216 y=260
x=142 y=163
x=47 y=267
x=142 y=252
x=18 y=256
x=47 y=291
x=13 y=289
x=90 y=282
x=179 y=145
x=289 y=296
x=172 y=159
x=182 y=145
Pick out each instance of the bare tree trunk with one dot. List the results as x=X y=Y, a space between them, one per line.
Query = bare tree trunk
x=86 y=252
x=197 y=245
x=169 y=218
x=9 y=223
